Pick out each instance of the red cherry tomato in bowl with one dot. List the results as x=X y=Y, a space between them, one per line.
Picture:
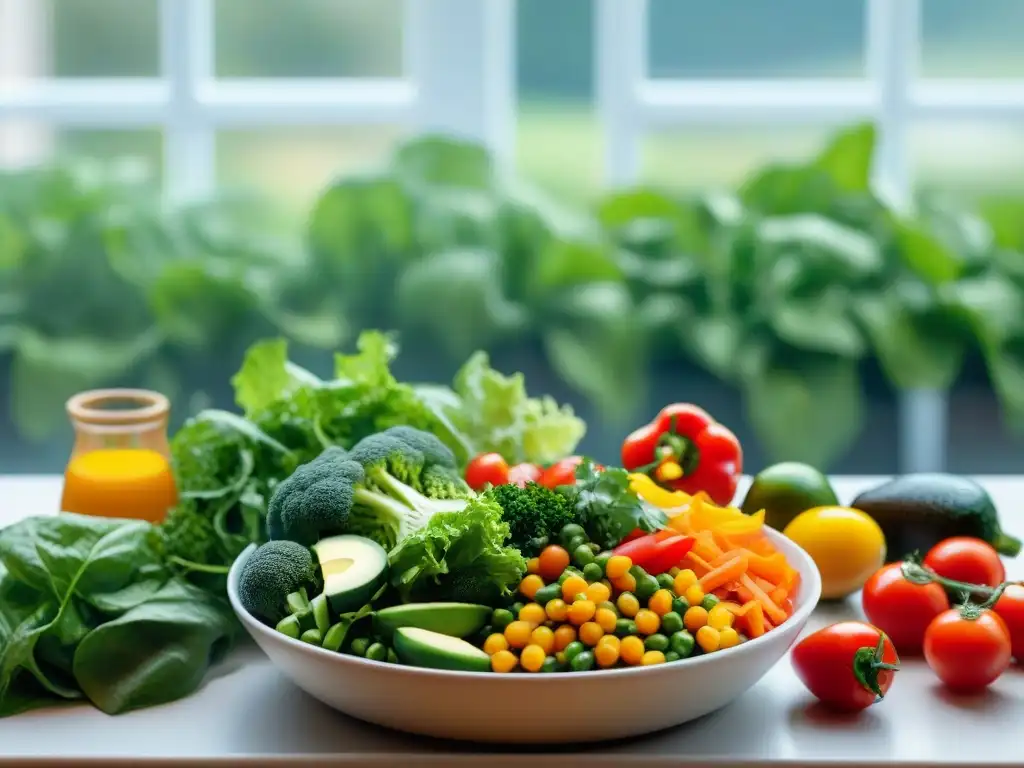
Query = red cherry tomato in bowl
x=1010 y=608
x=561 y=472
x=487 y=469
x=967 y=648
x=521 y=474
x=965 y=559
x=849 y=665
x=900 y=608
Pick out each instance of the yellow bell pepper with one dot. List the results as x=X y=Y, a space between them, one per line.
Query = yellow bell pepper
x=648 y=490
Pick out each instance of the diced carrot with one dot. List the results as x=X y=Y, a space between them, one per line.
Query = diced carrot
x=744 y=594
x=779 y=596
x=752 y=619
x=723 y=574
x=771 y=610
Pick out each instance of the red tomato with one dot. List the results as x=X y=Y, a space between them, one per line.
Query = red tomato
x=657 y=552
x=967 y=651
x=561 y=472
x=487 y=469
x=972 y=561
x=902 y=609
x=1010 y=608
x=849 y=665
x=521 y=474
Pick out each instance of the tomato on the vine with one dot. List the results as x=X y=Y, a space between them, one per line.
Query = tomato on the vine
x=966 y=559
x=521 y=474
x=562 y=472
x=900 y=608
x=487 y=469
x=849 y=665
x=1010 y=608
x=967 y=647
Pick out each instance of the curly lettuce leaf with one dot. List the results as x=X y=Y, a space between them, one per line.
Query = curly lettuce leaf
x=470 y=541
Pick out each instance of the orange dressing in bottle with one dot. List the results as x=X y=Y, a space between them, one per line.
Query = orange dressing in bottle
x=120 y=465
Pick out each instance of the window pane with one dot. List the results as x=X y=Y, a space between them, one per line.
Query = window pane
x=716 y=156
x=973 y=39
x=311 y=38
x=294 y=164
x=105 y=38
x=755 y=39
x=969 y=158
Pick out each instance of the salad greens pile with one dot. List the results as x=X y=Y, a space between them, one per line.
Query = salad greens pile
x=127 y=614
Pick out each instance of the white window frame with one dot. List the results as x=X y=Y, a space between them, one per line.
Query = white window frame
x=460 y=77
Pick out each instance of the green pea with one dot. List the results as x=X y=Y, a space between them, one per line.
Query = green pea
x=546 y=594
x=709 y=602
x=592 y=572
x=671 y=622
x=550 y=665
x=377 y=652
x=674 y=571
x=576 y=543
x=656 y=642
x=571 y=531
x=637 y=573
x=608 y=605
x=680 y=605
x=502 y=618
x=595 y=549
x=602 y=560
x=645 y=587
x=572 y=650
x=517 y=607
x=359 y=646
x=570 y=571
x=671 y=656
x=682 y=643
x=665 y=581
x=625 y=627
x=582 y=662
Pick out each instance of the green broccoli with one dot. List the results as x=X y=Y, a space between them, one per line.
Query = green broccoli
x=387 y=487
x=274 y=571
x=534 y=514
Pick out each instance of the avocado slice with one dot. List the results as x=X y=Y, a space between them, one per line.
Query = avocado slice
x=453 y=619
x=917 y=511
x=353 y=569
x=423 y=648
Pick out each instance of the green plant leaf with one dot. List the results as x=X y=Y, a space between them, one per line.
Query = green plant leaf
x=821 y=242
x=811 y=412
x=848 y=157
x=443 y=161
x=818 y=324
x=784 y=190
x=926 y=255
x=565 y=263
x=715 y=341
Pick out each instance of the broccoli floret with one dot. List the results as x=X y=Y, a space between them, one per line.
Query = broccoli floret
x=272 y=572
x=534 y=514
x=387 y=487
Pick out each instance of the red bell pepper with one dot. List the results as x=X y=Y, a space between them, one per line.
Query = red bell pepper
x=657 y=552
x=685 y=449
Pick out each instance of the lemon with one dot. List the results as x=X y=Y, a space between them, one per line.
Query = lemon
x=846 y=545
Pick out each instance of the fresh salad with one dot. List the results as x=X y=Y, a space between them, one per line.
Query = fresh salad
x=386 y=551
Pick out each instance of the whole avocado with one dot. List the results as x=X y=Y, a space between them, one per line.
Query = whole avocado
x=917 y=511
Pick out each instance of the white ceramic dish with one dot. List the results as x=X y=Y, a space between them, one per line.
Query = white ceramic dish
x=534 y=709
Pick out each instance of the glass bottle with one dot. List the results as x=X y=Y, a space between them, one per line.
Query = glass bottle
x=120 y=464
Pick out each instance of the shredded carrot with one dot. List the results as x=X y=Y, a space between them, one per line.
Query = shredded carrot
x=722 y=593
x=778 y=596
x=705 y=546
x=771 y=610
x=752 y=618
x=723 y=574
x=734 y=608
x=764 y=584
x=700 y=565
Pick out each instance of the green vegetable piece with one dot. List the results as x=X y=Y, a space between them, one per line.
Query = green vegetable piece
x=336 y=636
x=709 y=602
x=682 y=642
x=625 y=627
x=595 y=548
x=354 y=568
x=575 y=544
x=582 y=555
x=573 y=649
x=608 y=605
x=582 y=662
x=666 y=582
x=359 y=646
x=671 y=656
x=517 y=607
x=671 y=622
x=377 y=652
x=570 y=571
x=785 y=490
x=548 y=593
x=550 y=665
x=455 y=619
x=680 y=605
x=637 y=572
x=645 y=587
x=535 y=515
x=321 y=613
x=392 y=657
x=501 y=618
x=297 y=601
x=592 y=572
x=313 y=636
x=608 y=507
x=656 y=642
x=289 y=625
x=569 y=533
x=423 y=648
x=273 y=572
x=602 y=561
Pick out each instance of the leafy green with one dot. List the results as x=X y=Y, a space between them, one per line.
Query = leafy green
x=606 y=505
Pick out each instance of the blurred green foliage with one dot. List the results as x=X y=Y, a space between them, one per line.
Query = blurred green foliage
x=780 y=288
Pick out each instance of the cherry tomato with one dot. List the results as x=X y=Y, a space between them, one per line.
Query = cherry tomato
x=487 y=469
x=657 y=552
x=561 y=472
x=962 y=558
x=521 y=474
x=849 y=665
x=553 y=560
x=900 y=608
x=1010 y=608
x=967 y=648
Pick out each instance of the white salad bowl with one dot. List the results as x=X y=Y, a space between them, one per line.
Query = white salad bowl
x=544 y=708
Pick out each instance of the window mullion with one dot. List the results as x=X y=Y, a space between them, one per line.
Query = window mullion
x=621 y=66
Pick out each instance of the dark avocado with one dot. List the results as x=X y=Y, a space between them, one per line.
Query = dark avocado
x=917 y=511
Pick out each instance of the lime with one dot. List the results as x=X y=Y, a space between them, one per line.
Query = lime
x=785 y=490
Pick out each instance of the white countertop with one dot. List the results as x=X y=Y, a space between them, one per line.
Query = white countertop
x=247 y=712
